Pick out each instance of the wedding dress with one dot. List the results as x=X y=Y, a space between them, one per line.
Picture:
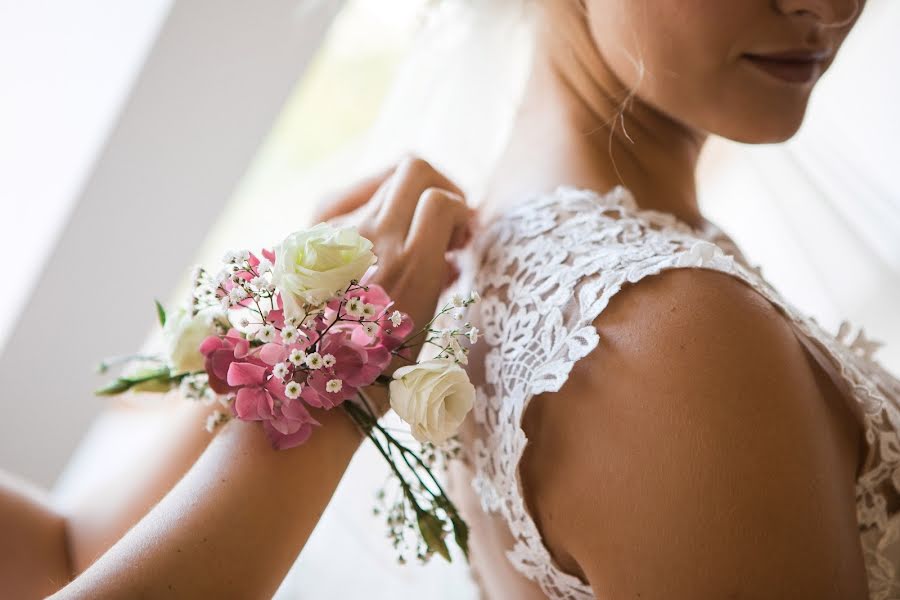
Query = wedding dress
x=546 y=269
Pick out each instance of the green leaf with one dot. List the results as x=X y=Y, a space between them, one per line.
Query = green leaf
x=461 y=535
x=156 y=380
x=160 y=313
x=432 y=531
x=114 y=388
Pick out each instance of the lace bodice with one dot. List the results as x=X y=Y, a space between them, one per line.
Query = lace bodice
x=546 y=269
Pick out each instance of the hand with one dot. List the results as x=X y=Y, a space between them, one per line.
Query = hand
x=414 y=216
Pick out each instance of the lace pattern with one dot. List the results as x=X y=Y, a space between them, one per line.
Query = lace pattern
x=546 y=270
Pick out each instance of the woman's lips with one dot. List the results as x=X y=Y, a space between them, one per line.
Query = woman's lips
x=792 y=67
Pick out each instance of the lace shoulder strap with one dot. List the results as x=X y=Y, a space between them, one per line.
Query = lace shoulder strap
x=547 y=270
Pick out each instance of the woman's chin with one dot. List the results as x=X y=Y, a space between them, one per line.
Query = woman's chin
x=765 y=129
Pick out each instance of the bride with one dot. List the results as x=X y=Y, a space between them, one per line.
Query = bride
x=653 y=419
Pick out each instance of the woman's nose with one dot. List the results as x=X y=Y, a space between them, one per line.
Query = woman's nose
x=829 y=13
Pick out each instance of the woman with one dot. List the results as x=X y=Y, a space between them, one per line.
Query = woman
x=703 y=439
x=239 y=516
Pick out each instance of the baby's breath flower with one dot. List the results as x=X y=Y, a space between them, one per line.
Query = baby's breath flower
x=355 y=307
x=264 y=266
x=396 y=318
x=214 y=419
x=473 y=335
x=328 y=360
x=292 y=390
x=237 y=294
x=333 y=386
x=371 y=329
x=280 y=370
x=457 y=300
x=474 y=296
x=225 y=301
x=289 y=334
x=297 y=357
x=229 y=257
x=243 y=255
x=259 y=283
x=368 y=310
x=266 y=333
x=458 y=315
x=458 y=351
x=314 y=361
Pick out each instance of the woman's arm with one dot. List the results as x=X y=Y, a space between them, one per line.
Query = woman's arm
x=234 y=524
x=706 y=462
x=238 y=518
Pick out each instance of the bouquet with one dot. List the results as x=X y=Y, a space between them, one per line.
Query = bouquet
x=269 y=336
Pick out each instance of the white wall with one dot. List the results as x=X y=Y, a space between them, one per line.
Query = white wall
x=206 y=95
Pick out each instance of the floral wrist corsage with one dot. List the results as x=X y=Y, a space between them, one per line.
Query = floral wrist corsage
x=268 y=337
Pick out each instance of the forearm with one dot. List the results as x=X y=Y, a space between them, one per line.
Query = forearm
x=235 y=523
x=34 y=558
x=99 y=516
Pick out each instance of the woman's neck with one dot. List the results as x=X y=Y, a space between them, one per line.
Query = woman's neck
x=576 y=127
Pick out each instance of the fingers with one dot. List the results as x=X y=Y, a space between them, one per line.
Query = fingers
x=401 y=193
x=440 y=217
x=353 y=197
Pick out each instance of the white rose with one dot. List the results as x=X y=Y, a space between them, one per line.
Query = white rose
x=433 y=397
x=311 y=265
x=184 y=334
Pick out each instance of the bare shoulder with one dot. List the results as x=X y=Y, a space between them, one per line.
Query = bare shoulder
x=695 y=438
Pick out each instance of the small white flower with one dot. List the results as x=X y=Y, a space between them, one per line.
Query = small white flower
x=333 y=386
x=444 y=337
x=292 y=390
x=458 y=351
x=368 y=310
x=371 y=329
x=328 y=360
x=458 y=315
x=212 y=420
x=226 y=400
x=221 y=276
x=280 y=370
x=473 y=335
x=314 y=361
x=229 y=257
x=474 y=296
x=457 y=300
x=225 y=301
x=297 y=357
x=264 y=266
x=237 y=294
x=266 y=333
x=355 y=307
x=396 y=318
x=289 y=334
x=244 y=323
x=209 y=396
x=259 y=283
x=243 y=255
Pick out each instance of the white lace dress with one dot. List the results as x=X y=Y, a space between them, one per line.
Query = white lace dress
x=545 y=271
